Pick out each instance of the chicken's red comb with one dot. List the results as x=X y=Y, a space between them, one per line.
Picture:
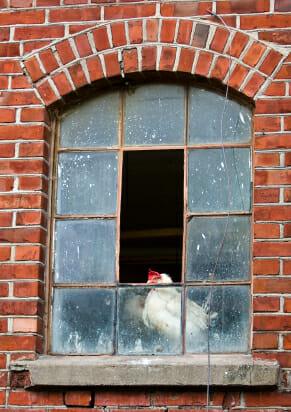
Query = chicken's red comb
x=152 y=274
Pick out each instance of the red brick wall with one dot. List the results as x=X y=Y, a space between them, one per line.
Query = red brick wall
x=262 y=71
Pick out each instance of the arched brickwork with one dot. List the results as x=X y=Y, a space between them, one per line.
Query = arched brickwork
x=187 y=45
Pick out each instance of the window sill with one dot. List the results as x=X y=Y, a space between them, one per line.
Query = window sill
x=190 y=370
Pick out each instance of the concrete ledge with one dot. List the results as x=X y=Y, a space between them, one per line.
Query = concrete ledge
x=226 y=370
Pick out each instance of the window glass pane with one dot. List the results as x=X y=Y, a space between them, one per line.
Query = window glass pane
x=87 y=183
x=229 y=330
x=83 y=320
x=85 y=251
x=154 y=114
x=219 y=180
x=205 y=113
x=91 y=123
x=149 y=320
x=220 y=244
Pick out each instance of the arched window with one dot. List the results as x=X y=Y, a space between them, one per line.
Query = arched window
x=156 y=177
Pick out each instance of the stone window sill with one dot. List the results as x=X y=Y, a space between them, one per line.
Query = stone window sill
x=130 y=371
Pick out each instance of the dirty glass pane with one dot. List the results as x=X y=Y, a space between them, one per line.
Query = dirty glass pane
x=206 y=109
x=84 y=251
x=154 y=114
x=87 y=183
x=229 y=324
x=83 y=320
x=92 y=123
x=220 y=245
x=149 y=320
x=219 y=180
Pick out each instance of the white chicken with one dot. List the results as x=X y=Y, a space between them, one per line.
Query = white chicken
x=162 y=312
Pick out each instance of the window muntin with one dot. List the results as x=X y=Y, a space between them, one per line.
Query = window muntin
x=88 y=192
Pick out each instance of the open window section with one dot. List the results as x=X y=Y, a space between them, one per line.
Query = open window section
x=152 y=178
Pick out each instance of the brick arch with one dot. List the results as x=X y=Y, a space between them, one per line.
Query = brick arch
x=187 y=45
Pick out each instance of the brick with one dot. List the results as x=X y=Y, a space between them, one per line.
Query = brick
x=25 y=325
x=78 y=398
x=276 y=36
x=287 y=267
x=112 y=65
x=130 y=59
x=32 y=183
x=22 y=166
x=287 y=342
x=18 y=307
x=118 y=34
x=254 y=54
x=184 y=31
x=22 y=17
x=287 y=305
x=4 y=33
x=186 y=60
x=34 y=114
x=3 y=82
x=9 y=66
x=35 y=398
x=33 y=67
x=20 y=82
x=272 y=285
x=173 y=398
x=203 y=63
x=266 y=195
x=284 y=72
x=276 y=89
x=83 y=45
x=5 y=219
x=47 y=93
x=266 y=267
x=287 y=230
x=267 y=398
x=272 y=249
x=21 y=271
x=167 y=58
x=238 y=7
x=48 y=60
x=65 y=52
x=237 y=76
x=32 y=252
x=101 y=39
x=30 y=218
x=62 y=83
x=122 y=398
x=273 y=177
x=24 y=132
x=276 y=141
x=9 y=50
x=272 y=322
x=219 y=40
x=200 y=35
x=265 y=341
x=128 y=11
x=39 y=32
x=28 y=289
x=266 y=304
x=184 y=9
x=3 y=329
x=76 y=28
x=29 y=46
x=266 y=231
x=266 y=159
x=152 y=30
x=149 y=56
x=5 y=253
x=282 y=5
x=135 y=32
x=21 y=3
x=6 y=184
x=287 y=195
x=94 y=68
x=220 y=68
x=254 y=84
x=74 y=14
x=266 y=213
x=168 y=28
x=267 y=124
x=33 y=149
x=4 y=290
x=271 y=62
x=23 y=235
x=265 y=21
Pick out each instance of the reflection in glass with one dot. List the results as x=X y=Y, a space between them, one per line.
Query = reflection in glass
x=91 y=124
x=205 y=118
x=220 y=244
x=85 y=251
x=154 y=114
x=87 y=183
x=229 y=325
x=149 y=320
x=219 y=180
x=83 y=320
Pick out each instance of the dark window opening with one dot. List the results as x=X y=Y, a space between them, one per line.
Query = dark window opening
x=151 y=214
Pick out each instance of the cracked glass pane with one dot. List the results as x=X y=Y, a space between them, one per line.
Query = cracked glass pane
x=91 y=124
x=149 y=320
x=212 y=115
x=87 y=183
x=154 y=115
x=83 y=320
x=219 y=180
x=85 y=251
x=229 y=319
x=228 y=239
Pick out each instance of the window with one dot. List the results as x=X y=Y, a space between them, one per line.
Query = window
x=154 y=177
